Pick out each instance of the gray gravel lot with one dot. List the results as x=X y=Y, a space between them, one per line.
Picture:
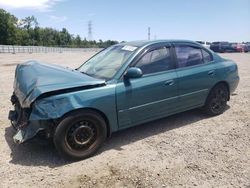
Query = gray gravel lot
x=187 y=149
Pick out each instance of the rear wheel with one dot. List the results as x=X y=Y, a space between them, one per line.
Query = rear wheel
x=80 y=134
x=217 y=100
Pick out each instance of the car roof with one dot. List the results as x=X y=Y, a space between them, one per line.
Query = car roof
x=143 y=43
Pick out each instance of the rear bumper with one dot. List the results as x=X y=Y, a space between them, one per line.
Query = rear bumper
x=234 y=84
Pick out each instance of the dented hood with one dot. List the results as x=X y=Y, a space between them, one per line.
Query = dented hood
x=32 y=79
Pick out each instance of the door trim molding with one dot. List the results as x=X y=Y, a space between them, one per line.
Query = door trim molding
x=147 y=104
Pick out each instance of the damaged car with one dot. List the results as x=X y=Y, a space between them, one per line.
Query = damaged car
x=122 y=86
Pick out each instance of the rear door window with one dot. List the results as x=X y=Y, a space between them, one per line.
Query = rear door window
x=188 y=56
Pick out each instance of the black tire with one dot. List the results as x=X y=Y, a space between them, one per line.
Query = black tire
x=217 y=100
x=80 y=134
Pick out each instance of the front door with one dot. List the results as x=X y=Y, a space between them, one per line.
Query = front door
x=153 y=95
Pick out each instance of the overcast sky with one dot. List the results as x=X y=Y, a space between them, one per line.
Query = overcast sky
x=210 y=20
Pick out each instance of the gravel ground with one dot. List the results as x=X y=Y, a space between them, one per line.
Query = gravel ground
x=187 y=149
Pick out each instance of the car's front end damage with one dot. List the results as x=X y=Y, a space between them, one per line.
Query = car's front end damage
x=26 y=128
x=37 y=109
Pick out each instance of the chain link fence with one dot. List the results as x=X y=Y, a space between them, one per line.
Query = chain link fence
x=42 y=49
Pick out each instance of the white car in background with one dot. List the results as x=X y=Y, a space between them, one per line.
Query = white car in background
x=205 y=44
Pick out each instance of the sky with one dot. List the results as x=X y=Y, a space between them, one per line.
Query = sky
x=127 y=20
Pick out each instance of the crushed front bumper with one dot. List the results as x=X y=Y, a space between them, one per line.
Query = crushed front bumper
x=29 y=129
x=19 y=119
x=24 y=130
x=26 y=133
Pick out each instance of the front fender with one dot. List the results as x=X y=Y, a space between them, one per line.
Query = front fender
x=54 y=107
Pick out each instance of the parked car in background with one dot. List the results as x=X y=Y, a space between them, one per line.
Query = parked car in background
x=247 y=47
x=238 y=47
x=204 y=43
x=222 y=47
x=122 y=86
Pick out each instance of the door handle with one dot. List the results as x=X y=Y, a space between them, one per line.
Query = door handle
x=169 y=82
x=211 y=73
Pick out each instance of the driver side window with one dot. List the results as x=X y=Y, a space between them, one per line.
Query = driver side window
x=157 y=60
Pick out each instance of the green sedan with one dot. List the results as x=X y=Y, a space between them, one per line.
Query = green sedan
x=122 y=86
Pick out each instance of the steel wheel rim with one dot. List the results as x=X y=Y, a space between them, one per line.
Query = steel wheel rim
x=81 y=135
x=219 y=100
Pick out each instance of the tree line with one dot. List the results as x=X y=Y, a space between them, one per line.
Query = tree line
x=26 y=32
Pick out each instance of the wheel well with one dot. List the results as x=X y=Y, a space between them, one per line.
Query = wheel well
x=97 y=111
x=227 y=86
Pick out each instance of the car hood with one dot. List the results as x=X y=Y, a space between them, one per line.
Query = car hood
x=33 y=79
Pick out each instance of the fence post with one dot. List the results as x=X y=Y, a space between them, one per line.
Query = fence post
x=13 y=49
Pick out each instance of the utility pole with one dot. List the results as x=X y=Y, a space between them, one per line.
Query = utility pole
x=148 y=33
x=90 y=37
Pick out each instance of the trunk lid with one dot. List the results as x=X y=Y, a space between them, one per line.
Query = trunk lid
x=33 y=79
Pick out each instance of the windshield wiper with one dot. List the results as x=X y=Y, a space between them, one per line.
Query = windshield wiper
x=86 y=73
x=83 y=72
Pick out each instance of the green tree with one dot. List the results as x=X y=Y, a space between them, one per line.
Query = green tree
x=22 y=37
x=7 y=27
x=77 y=41
x=28 y=22
x=65 y=37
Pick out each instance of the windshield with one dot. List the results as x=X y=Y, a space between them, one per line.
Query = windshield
x=105 y=64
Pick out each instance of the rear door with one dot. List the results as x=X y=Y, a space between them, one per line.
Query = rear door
x=153 y=95
x=196 y=74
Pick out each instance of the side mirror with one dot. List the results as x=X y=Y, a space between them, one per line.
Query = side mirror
x=133 y=72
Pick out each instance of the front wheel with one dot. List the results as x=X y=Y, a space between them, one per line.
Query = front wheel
x=217 y=100
x=80 y=134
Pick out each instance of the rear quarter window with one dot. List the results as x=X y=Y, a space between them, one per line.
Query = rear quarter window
x=207 y=57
